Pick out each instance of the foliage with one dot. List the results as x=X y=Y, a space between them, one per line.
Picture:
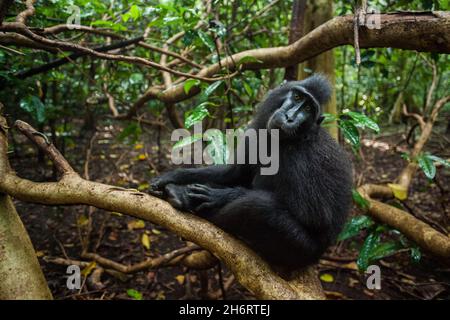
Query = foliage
x=426 y=163
x=380 y=241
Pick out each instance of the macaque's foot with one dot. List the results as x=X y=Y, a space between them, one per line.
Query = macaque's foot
x=206 y=197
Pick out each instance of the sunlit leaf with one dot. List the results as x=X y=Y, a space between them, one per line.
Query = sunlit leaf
x=363 y=121
x=326 y=277
x=82 y=220
x=197 y=114
x=189 y=84
x=136 y=295
x=34 y=106
x=136 y=224
x=217 y=147
x=180 y=279
x=427 y=166
x=399 y=191
x=156 y=231
x=145 y=240
x=207 y=40
x=188 y=140
x=438 y=159
x=212 y=87
x=350 y=132
x=89 y=268
x=372 y=240
x=354 y=226
x=384 y=249
x=360 y=200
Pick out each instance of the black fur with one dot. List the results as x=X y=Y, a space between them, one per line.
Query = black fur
x=289 y=218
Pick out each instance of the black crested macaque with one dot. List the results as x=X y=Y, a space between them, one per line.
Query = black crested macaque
x=289 y=218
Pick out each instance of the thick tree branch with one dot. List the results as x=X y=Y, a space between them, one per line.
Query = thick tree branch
x=59 y=62
x=68 y=46
x=411 y=31
x=28 y=12
x=420 y=232
x=250 y=270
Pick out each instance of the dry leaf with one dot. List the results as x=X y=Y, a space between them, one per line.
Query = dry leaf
x=136 y=224
x=399 y=191
x=326 y=277
x=40 y=253
x=82 y=220
x=87 y=271
x=180 y=279
x=145 y=240
x=156 y=231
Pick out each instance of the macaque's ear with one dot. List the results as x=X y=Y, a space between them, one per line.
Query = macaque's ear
x=319 y=121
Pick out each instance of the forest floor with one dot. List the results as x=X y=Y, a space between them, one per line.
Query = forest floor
x=56 y=231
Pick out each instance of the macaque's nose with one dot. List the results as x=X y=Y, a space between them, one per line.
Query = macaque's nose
x=289 y=118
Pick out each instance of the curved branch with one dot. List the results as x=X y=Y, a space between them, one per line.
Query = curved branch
x=429 y=31
x=28 y=12
x=250 y=270
x=67 y=46
x=418 y=231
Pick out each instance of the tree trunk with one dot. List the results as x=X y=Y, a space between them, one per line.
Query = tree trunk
x=317 y=13
x=21 y=276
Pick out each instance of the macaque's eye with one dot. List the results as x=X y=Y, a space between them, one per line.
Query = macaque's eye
x=308 y=108
x=297 y=97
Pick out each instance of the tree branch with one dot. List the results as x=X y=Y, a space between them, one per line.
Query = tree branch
x=416 y=230
x=250 y=270
x=68 y=46
x=412 y=31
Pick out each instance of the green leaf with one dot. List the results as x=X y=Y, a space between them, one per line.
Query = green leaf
x=212 y=87
x=444 y=5
x=360 y=200
x=363 y=121
x=131 y=132
x=350 y=132
x=188 y=37
x=384 y=249
x=197 y=114
x=248 y=59
x=217 y=147
x=207 y=40
x=438 y=159
x=34 y=106
x=136 y=295
x=248 y=89
x=354 y=226
x=188 y=140
x=136 y=78
x=372 y=241
x=416 y=254
x=329 y=117
x=189 y=84
x=427 y=165
x=135 y=12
